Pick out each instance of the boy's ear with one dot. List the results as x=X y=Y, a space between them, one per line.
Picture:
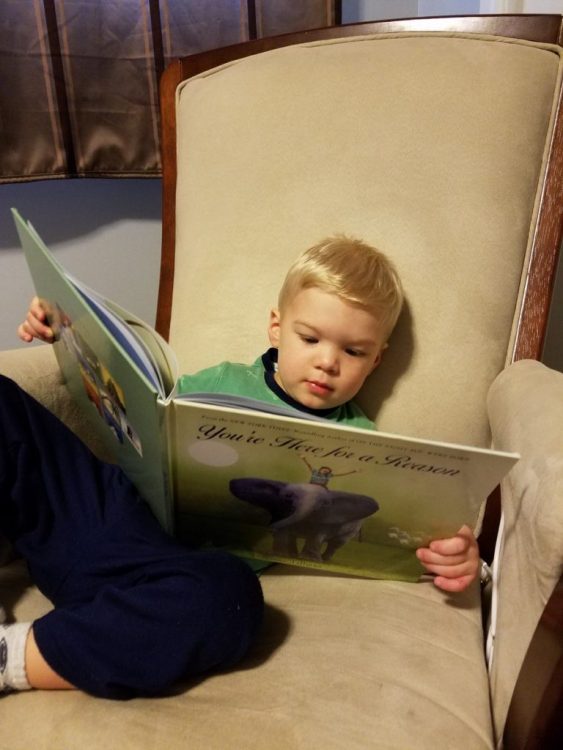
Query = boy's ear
x=379 y=357
x=274 y=327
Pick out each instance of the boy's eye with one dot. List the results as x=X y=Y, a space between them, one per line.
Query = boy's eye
x=355 y=353
x=308 y=339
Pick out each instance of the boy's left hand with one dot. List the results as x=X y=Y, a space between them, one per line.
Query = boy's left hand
x=454 y=561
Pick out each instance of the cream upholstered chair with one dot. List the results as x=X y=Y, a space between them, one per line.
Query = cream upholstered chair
x=441 y=142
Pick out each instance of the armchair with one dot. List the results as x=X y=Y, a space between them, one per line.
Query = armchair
x=441 y=141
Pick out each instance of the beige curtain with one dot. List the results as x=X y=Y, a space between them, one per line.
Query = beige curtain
x=79 y=78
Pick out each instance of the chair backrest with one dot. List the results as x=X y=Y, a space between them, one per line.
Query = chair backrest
x=439 y=146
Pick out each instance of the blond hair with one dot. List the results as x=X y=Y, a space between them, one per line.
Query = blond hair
x=352 y=270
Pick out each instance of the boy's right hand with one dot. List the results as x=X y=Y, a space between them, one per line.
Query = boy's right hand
x=34 y=325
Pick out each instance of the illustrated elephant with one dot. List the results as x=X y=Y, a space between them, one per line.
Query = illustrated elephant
x=309 y=511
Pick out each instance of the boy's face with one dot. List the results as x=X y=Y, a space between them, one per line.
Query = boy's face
x=326 y=348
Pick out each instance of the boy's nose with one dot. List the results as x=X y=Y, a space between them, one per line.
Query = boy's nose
x=328 y=360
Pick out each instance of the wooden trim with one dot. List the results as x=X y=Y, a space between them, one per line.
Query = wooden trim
x=539 y=28
x=535 y=715
x=168 y=83
x=535 y=28
x=532 y=325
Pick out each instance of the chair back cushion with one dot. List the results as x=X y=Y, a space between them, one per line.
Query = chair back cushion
x=429 y=145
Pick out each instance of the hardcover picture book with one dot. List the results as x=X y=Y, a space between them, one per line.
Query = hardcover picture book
x=229 y=472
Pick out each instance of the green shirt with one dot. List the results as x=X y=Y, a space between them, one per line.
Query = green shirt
x=257 y=381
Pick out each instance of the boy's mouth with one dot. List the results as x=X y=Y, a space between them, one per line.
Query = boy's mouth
x=318 y=388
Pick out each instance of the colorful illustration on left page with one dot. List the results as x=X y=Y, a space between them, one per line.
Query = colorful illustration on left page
x=100 y=386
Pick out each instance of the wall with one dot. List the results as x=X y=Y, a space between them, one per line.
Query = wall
x=371 y=10
x=106 y=232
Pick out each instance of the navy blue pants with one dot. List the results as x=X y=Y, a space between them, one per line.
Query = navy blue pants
x=135 y=611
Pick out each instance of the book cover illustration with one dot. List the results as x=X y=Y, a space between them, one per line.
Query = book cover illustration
x=108 y=373
x=320 y=495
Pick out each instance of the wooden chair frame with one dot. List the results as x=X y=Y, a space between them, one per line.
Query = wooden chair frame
x=531 y=723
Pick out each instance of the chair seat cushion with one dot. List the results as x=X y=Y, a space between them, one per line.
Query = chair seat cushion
x=340 y=663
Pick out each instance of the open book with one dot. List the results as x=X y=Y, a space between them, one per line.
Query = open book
x=265 y=483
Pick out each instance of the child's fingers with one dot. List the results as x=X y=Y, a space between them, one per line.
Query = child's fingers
x=34 y=325
x=37 y=328
x=27 y=331
x=36 y=308
x=453 y=577
x=453 y=584
x=454 y=562
x=447 y=570
x=24 y=334
x=428 y=556
x=463 y=542
x=456 y=545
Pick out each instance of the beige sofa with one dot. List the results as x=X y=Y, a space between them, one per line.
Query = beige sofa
x=439 y=147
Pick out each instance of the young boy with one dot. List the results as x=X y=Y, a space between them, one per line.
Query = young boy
x=336 y=310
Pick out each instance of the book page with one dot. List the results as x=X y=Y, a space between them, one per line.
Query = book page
x=319 y=495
